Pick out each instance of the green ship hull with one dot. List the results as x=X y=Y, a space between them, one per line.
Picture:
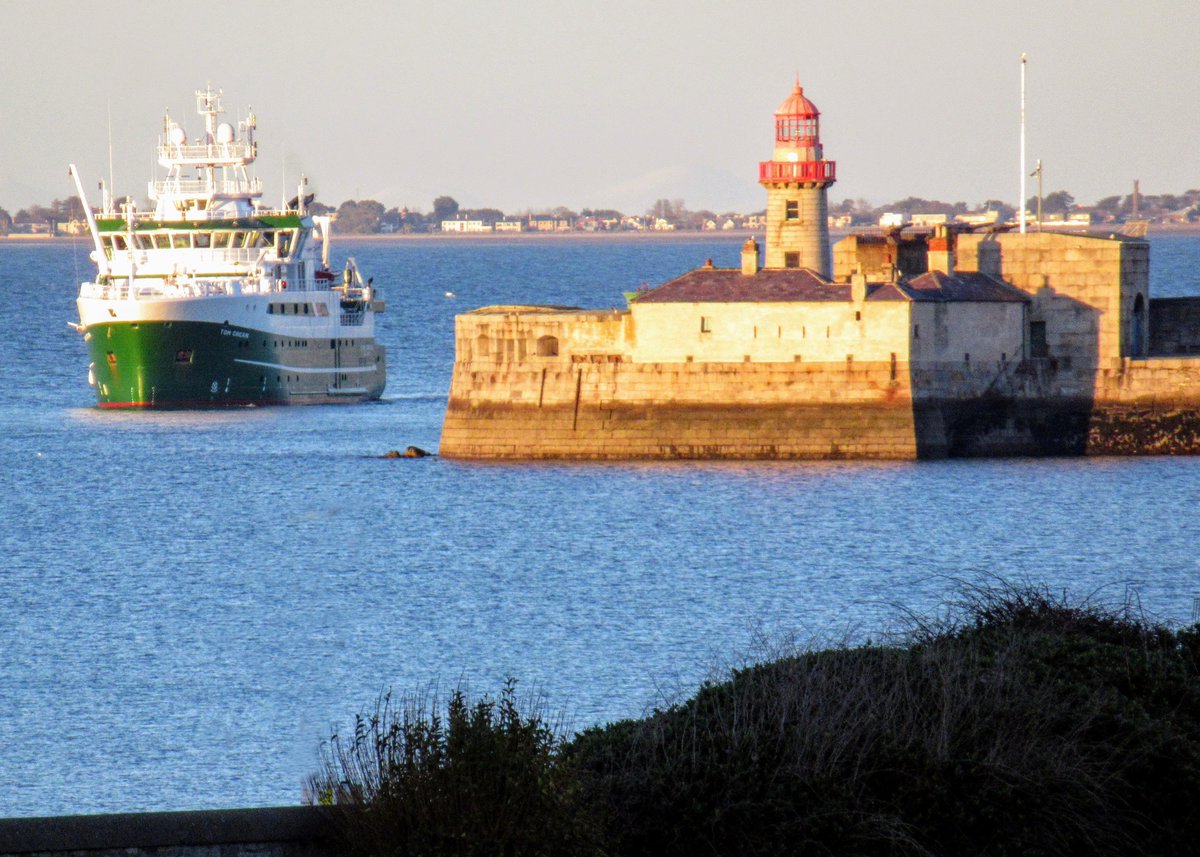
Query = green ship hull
x=187 y=364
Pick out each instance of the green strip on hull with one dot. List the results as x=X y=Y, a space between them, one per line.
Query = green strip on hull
x=259 y=221
x=203 y=365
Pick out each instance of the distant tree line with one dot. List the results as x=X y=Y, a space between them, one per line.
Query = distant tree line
x=368 y=216
x=1184 y=207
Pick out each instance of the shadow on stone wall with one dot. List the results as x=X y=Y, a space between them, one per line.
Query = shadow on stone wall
x=1040 y=405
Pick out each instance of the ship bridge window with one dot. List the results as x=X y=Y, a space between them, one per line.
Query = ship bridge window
x=106 y=242
x=220 y=240
x=180 y=241
x=119 y=242
x=203 y=239
x=251 y=238
x=265 y=239
x=162 y=242
x=143 y=242
x=285 y=242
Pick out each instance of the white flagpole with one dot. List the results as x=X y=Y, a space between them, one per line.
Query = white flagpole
x=1021 y=201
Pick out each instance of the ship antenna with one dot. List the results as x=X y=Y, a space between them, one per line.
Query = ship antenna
x=107 y=201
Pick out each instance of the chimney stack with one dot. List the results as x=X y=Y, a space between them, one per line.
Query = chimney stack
x=750 y=257
x=941 y=250
x=858 y=288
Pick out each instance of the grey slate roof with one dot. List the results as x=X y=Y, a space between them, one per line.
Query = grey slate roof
x=961 y=286
x=801 y=285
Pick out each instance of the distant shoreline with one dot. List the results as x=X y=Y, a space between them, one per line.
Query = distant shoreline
x=574 y=236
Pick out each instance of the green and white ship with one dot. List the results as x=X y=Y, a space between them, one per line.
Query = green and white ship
x=213 y=300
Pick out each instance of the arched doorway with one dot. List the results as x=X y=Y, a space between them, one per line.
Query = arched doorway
x=1137 y=332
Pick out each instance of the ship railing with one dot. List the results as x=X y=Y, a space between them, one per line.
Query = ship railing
x=208 y=153
x=121 y=290
x=146 y=288
x=189 y=258
x=150 y=216
x=204 y=187
x=353 y=319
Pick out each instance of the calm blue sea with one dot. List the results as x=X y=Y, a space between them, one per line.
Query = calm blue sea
x=189 y=601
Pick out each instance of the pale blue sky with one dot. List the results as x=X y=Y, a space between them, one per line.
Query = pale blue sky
x=534 y=104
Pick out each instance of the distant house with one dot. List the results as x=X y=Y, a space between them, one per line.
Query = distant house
x=507 y=225
x=661 y=225
x=840 y=221
x=465 y=226
x=928 y=219
x=892 y=218
x=978 y=218
x=71 y=227
x=709 y=225
x=755 y=221
x=549 y=224
x=729 y=224
x=632 y=221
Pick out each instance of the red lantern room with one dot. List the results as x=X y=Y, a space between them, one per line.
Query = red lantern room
x=798 y=121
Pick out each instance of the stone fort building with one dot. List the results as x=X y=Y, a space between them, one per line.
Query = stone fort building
x=898 y=345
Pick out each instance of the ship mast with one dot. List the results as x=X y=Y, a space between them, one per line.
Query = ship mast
x=219 y=185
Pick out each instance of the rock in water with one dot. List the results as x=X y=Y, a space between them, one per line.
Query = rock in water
x=415 y=452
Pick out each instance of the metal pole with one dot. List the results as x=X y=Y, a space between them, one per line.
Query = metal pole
x=1021 y=201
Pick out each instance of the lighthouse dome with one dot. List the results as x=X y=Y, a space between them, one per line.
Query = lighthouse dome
x=797 y=104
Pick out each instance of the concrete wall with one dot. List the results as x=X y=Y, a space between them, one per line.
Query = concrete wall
x=276 y=832
x=821 y=332
x=680 y=410
x=877 y=255
x=967 y=332
x=500 y=335
x=1174 y=326
x=871 y=410
x=1083 y=287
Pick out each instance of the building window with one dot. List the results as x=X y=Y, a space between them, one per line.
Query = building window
x=705 y=324
x=791 y=210
x=916 y=331
x=791 y=260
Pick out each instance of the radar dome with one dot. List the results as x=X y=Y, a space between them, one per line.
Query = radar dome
x=177 y=135
x=224 y=133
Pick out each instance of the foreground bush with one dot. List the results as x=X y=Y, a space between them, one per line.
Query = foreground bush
x=1021 y=725
x=482 y=780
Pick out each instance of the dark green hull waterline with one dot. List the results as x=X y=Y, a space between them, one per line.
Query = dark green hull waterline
x=203 y=365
